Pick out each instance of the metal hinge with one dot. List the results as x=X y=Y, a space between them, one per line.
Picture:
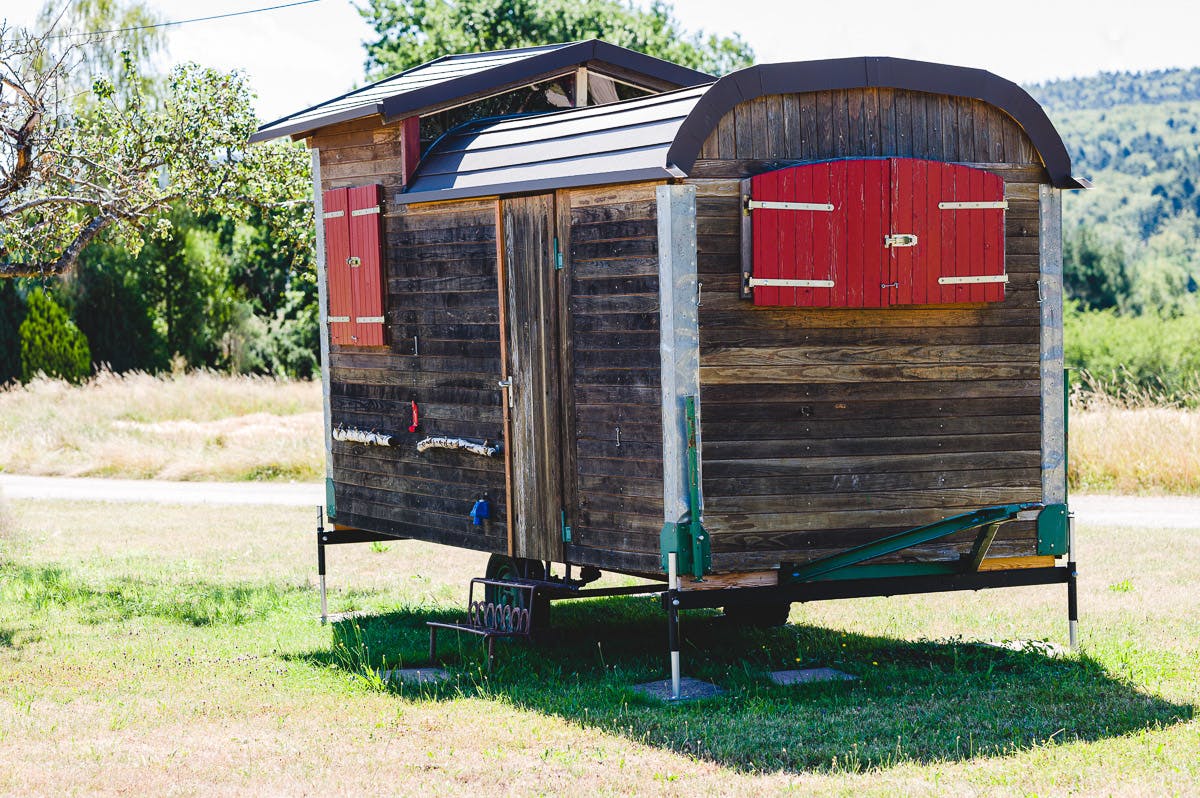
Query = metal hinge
x=756 y=282
x=558 y=258
x=969 y=206
x=973 y=280
x=365 y=211
x=768 y=205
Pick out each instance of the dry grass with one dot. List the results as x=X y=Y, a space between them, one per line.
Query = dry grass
x=1134 y=447
x=196 y=426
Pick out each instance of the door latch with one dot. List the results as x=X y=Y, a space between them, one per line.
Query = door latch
x=506 y=386
x=900 y=240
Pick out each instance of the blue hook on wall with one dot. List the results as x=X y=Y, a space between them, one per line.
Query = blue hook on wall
x=481 y=511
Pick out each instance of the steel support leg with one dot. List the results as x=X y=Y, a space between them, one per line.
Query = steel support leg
x=673 y=621
x=1072 y=589
x=321 y=562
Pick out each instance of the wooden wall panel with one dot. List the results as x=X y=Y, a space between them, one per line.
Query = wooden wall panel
x=826 y=428
x=611 y=269
x=442 y=350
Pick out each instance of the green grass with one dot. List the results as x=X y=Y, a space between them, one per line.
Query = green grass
x=175 y=650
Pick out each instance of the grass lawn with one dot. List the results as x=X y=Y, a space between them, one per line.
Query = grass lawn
x=174 y=651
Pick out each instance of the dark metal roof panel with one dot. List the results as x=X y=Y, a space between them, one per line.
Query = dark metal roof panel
x=446 y=79
x=565 y=148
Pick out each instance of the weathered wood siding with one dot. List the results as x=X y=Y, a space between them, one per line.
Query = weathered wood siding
x=440 y=262
x=824 y=429
x=612 y=342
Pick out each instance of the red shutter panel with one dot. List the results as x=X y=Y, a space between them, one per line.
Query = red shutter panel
x=335 y=207
x=366 y=258
x=967 y=205
x=876 y=232
x=798 y=235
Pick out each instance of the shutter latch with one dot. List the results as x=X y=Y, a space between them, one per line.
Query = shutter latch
x=900 y=240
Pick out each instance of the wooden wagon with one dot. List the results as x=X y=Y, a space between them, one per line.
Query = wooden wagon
x=796 y=332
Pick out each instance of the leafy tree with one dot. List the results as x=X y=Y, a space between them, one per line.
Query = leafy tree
x=113 y=300
x=12 y=313
x=69 y=176
x=1094 y=271
x=51 y=344
x=412 y=32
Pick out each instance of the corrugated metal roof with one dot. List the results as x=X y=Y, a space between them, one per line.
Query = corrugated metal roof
x=451 y=77
x=580 y=146
x=660 y=136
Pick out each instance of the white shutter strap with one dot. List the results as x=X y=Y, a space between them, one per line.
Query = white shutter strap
x=973 y=280
x=754 y=205
x=969 y=206
x=771 y=282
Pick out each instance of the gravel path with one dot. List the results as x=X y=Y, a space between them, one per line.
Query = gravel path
x=1179 y=512
x=14 y=486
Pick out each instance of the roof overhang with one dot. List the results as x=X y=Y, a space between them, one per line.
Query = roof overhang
x=858 y=73
x=512 y=74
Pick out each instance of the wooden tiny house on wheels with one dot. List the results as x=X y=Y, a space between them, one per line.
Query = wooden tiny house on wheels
x=797 y=330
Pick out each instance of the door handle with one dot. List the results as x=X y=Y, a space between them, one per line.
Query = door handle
x=506 y=386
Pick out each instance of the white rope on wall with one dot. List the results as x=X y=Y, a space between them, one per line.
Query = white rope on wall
x=461 y=444
x=361 y=436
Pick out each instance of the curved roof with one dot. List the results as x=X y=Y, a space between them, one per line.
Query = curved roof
x=447 y=79
x=660 y=136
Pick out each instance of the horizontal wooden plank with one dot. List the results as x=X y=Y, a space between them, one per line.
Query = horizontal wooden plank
x=617 y=267
x=853 y=337
x=881 y=446
x=938 y=479
x=802 y=466
x=771 y=375
x=884 y=421
x=366 y=516
x=950 y=500
x=597 y=214
x=908 y=355
x=751 y=393
x=1013 y=538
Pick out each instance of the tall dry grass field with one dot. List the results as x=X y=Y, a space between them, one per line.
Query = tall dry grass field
x=196 y=426
x=1133 y=446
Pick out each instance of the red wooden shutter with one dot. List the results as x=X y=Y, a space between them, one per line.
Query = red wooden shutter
x=876 y=232
x=337 y=267
x=366 y=203
x=353 y=265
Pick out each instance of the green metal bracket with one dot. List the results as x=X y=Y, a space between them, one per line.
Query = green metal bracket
x=1052 y=530
x=988 y=516
x=566 y=530
x=558 y=258
x=688 y=539
x=330 y=503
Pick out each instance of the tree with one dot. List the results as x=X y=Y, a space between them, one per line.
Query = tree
x=1094 y=271
x=412 y=32
x=51 y=344
x=114 y=168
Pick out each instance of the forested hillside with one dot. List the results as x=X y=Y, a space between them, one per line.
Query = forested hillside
x=1132 y=240
x=1132 y=244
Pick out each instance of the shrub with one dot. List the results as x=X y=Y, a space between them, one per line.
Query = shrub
x=1138 y=358
x=12 y=313
x=51 y=344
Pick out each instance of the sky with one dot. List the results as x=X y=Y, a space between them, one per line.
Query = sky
x=299 y=56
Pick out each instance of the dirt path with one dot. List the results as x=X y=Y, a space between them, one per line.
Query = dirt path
x=1174 y=512
x=14 y=486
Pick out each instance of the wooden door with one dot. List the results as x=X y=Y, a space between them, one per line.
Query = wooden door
x=531 y=337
